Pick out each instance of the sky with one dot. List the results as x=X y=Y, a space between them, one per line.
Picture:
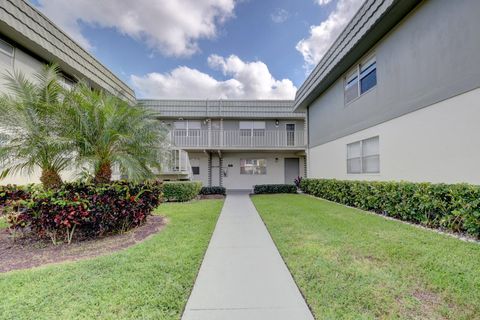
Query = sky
x=205 y=49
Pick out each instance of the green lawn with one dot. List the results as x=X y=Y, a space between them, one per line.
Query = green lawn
x=354 y=265
x=151 y=280
x=3 y=222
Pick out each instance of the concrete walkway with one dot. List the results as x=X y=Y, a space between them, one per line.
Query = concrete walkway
x=242 y=275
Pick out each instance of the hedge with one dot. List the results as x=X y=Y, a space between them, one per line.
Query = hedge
x=83 y=210
x=274 y=188
x=455 y=207
x=213 y=190
x=181 y=190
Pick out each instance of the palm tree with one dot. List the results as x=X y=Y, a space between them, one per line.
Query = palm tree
x=109 y=133
x=29 y=126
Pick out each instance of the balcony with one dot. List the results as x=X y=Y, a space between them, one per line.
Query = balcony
x=238 y=139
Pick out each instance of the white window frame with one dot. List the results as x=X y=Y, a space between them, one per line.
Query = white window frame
x=356 y=73
x=362 y=156
x=253 y=172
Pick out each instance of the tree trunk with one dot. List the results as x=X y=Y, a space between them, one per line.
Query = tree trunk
x=104 y=173
x=50 y=179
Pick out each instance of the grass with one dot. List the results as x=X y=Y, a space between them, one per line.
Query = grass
x=355 y=265
x=151 y=280
x=3 y=223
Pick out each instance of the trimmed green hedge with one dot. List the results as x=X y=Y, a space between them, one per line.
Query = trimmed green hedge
x=274 y=188
x=181 y=190
x=213 y=190
x=454 y=207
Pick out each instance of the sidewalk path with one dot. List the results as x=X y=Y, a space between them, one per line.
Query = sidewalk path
x=242 y=275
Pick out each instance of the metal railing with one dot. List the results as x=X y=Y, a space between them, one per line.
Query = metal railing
x=177 y=161
x=198 y=138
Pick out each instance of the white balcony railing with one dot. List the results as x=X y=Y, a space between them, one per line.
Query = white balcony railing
x=256 y=139
x=176 y=161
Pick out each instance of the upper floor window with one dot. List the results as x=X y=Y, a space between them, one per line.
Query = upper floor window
x=6 y=53
x=187 y=127
x=252 y=128
x=361 y=79
x=363 y=156
x=66 y=82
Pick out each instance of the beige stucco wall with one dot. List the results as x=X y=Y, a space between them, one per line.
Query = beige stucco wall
x=439 y=143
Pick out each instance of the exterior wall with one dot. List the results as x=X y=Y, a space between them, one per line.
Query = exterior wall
x=202 y=159
x=234 y=180
x=428 y=57
x=22 y=62
x=437 y=144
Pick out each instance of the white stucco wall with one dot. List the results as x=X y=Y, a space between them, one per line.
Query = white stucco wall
x=439 y=143
x=28 y=65
x=275 y=169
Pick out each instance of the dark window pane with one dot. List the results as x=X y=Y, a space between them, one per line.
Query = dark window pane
x=196 y=170
x=368 y=81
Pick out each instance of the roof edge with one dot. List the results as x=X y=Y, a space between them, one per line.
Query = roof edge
x=373 y=20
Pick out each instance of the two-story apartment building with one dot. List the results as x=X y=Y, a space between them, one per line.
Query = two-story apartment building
x=233 y=143
x=397 y=96
x=29 y=40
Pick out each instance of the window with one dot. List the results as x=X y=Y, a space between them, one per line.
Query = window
x=363 y=156
x=368 y=75
x=6 y=53
x=351 y=87
x=252 y=128
x=187 y=128
x=66 y=82
x=196 y=170
x=253 y=166
x=360 y=80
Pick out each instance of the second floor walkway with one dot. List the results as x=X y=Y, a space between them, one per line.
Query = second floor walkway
x=238 y=139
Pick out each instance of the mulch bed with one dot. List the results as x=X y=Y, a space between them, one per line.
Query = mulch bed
x=211 y=196
x=27 y=253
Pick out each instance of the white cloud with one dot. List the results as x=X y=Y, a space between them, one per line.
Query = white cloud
x=322 y=36
x=280 y=15
x=172 y=27
x=323 y=2
x=247 y=80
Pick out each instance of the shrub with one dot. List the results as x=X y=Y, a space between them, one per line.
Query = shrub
x=213 y=190
x=11 y=193
x=274 y=188
x=85 y=210
x=454 y=207
x=298 y=181
x=181 y=190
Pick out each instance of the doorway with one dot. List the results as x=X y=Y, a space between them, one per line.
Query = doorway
x=292 y=169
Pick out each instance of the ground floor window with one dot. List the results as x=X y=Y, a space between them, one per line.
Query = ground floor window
x=196 y=170
x=363 y=156
x=253 y=166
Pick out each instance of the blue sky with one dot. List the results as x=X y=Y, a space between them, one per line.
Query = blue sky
x=208 y=48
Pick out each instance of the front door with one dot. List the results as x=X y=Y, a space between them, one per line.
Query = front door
x=290 y=128
x=292 y=169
